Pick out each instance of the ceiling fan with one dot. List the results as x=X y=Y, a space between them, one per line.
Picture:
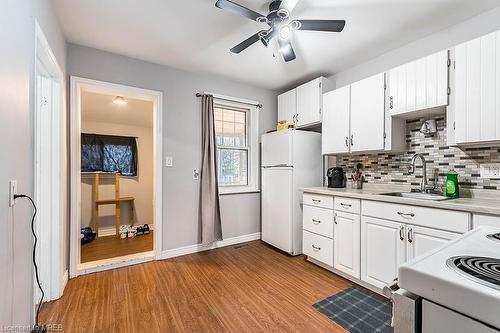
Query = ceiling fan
x=280 y=25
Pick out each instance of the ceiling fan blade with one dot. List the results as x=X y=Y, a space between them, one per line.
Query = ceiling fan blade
x=246 y=43
x=289 y=5
x=322 y=25
x=286 y=50
x=238 y=9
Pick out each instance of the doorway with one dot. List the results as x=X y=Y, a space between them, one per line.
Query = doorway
x=116 y=175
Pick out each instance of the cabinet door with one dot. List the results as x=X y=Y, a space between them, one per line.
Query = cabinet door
x=309 y=102
x=421 y=240
x=367 y=114
x=335 y=126
x=485 y=220
x=383 y=249
x=346 y=243
x=477 y=90
x=397 y=89
x=287 y=106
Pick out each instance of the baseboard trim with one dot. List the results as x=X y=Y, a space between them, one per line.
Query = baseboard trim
x=181 y=251
x=64 y=281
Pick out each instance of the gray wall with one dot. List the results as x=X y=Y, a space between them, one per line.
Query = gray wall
x=181 y=137
x=467 y=30
x=17 y=19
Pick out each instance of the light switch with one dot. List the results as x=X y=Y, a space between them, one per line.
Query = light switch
x=196 y=174
x=169 y=161
x=490 y=170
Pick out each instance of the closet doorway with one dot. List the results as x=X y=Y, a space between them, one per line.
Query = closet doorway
x=116 y=175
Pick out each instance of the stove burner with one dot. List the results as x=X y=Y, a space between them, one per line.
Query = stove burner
x=483 y=270
x=495 y=237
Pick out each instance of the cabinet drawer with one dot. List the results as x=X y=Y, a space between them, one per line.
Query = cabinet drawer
x=443 y=219
x=318 y=220
x=347 y=205
x=318 y=247
x=325 y=201
x=488 y=220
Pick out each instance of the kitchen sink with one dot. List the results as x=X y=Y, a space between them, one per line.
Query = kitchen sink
x=417 y=195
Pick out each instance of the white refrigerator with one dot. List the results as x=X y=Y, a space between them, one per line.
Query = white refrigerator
x=291 y=160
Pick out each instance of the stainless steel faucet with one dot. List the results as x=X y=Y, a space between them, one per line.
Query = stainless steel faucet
x=423 y=183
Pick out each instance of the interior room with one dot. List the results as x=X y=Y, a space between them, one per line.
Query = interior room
x=250 y=166
x=117 y=176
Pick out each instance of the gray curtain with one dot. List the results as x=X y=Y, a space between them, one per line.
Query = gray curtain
x=211 y=229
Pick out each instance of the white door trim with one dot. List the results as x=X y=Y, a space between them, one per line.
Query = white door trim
x=50 y=254
x=76 y=86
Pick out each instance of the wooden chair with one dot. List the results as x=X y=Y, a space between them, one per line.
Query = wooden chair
x=116 y=201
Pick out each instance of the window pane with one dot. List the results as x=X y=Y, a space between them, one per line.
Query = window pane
x=233 y=165
x=230 y=127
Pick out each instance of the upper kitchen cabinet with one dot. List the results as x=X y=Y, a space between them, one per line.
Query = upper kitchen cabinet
x=477 y=90
x=287 y=106
x=303 y=106
x=336 y=123
x=367 y=114
x=419 y=85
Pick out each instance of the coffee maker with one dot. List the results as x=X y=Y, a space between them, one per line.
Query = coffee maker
x=336 y=177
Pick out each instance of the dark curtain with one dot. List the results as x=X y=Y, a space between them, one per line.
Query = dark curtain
x=109 y=153
x=211 y=227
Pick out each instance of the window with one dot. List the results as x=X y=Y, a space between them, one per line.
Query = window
x=109 y=153
x=236 y=135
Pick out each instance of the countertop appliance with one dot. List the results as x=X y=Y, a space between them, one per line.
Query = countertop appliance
x=336 y=177
x=291 y=159
x=458 y=285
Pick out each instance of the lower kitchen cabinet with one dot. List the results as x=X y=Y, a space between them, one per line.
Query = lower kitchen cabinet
x=383 y=249
x=486 y=220
x=318 y=247
x=421 y=240
x=346 y=243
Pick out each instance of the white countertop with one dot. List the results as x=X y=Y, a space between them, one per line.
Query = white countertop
x=483 y=205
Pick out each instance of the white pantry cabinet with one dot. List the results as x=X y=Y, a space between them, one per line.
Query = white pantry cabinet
x=383 y=249
x=346 y=243
x=287 y=106
x=419 y=85
x=421 y=240
x=367 y=114
x=477 y=90
x=336 y=121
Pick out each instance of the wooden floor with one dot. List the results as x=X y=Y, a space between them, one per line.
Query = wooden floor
x=243 y=288
x=112 y=247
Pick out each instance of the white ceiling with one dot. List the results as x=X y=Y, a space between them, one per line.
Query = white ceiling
x=100 y=108
x=195 y=35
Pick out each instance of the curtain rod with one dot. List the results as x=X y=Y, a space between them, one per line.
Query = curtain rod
x=230 y=99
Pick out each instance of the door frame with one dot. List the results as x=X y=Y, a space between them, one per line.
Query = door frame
x=76 y=86
x=50 y=254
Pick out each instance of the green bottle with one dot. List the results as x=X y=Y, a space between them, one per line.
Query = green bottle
x=452 y=184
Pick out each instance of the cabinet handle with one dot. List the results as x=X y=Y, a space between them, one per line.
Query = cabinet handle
x=297 y=118
x=335 y=218
x=316 y=221
x=406 y=214
x=293 y=118
x=410 y=235
x=316 y=201
x=402 y=233
x=352 y=139
x=345 y=205
x=317 y=248
x=347 y=141
x=391 y=102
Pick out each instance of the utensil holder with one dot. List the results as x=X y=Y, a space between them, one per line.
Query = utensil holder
x=357 y=184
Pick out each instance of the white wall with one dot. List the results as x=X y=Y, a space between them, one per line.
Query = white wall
x=17 y=55
x=140 y=187
x=181 y=137
x=477 y=26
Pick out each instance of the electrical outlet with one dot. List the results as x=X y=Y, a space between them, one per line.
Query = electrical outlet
x=490 y=170
x=12 y=192
x=169 y=161
x=196 y=174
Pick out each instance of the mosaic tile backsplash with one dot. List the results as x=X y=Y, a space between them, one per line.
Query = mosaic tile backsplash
x=392 y=168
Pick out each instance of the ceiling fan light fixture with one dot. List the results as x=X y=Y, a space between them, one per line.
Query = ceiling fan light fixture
x=119 y=100
x=285 y=31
